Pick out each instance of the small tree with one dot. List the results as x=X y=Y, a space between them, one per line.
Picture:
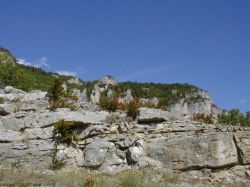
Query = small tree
x=55 y=94
x=65 y=129
x=133 y=107
x=110 y=104
x=59 y=98
x=233 y=117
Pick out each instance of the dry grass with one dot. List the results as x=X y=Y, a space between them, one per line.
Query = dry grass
x=1 y=100
x=84 y=178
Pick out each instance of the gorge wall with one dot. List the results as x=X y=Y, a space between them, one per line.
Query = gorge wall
x=108 y=142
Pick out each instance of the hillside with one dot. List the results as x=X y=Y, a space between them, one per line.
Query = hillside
x=173 y=131
x=31 y=78
x=26 y=77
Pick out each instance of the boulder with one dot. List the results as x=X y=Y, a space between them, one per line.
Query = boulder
x=11 y=90
x=6 y=109
x=149 y=115
x=95 y=95
x=95 y=153
x=128 y=97
x=134 y=153
x=215 y=150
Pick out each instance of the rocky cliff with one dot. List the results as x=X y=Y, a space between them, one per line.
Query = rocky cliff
x=109 y=142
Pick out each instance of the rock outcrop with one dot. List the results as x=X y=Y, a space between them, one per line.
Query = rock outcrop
x=28 y=137
x=103 y=84
x=194 y=103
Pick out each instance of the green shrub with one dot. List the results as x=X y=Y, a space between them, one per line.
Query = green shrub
x=1 y=100
x=167 y=93
x=110 y=104
x=234 y=117
x=56 y=164
x=204 y=118
x=59 y=98
x=11 y=74
x=133 y=107
x=65 y=129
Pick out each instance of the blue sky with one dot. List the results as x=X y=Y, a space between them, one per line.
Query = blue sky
x=202 y=42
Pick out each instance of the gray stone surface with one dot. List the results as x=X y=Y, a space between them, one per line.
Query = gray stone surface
x=6 y=109
x=243 y=143
x=84 y=96
x=156 y=140
x=95 y=95
x=10 y=89
x=213 y=150
x=149 y=115
x=95 y=153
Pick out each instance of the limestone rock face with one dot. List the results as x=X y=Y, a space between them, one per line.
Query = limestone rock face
x=243 y=144
x=83 y=96
x=6 y=109
x=156 y=140
x=95 y=153
x=95 y=95
x=128 y=97
x=103 y=84
x=11 y=90
x=106 y=81
x=148 y=115
x=199 y=102
x=212 y=151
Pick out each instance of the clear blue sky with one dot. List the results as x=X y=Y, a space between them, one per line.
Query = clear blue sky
x=202 y=42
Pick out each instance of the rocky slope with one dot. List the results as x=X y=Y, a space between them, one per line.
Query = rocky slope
x=182 y=101
x=109 y=142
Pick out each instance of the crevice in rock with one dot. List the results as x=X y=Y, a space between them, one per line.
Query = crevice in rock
x=226 y=166
x=23 y=129
x=46 y=126
x=3 y=113
x=5 y=141
x=151 y=120
x=239 y=151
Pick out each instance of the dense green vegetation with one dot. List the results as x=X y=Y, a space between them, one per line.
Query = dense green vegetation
x=112 y=104
x=65 y=130
x=31 y=78
x=60 y=98
x=26 y=77
x=234 y=117
x=167 y=93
